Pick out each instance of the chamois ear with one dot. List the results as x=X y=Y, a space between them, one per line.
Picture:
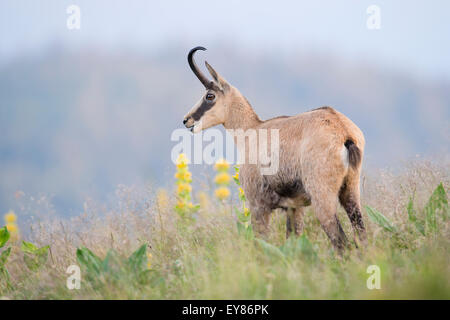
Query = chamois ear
x=223 y=84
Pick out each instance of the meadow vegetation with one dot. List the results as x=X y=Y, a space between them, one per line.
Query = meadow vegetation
x=180 y=243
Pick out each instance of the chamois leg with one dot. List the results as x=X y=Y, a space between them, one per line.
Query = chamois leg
x=294 y=221
x=349 y=198
x=260 y=222
x=325 y=208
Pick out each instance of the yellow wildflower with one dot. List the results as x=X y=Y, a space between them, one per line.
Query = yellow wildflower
x=236 y=176
x=182 y=158
x=222 y=178
x=180 y=205
x=10 y=217
x=181 y=165
x=183 y=175
x=246 y=212
x=241 y=191
x=182 y=161
x=222 y=193
x=12 y=227
x=182 y=187
x=221 y=164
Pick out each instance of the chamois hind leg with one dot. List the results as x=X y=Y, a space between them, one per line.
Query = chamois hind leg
x=325 y=209
x=294 y=221
x=349 y=197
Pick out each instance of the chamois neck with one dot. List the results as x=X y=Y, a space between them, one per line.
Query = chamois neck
x=241 y=114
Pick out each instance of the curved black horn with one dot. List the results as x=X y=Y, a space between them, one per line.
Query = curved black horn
x=195 y=69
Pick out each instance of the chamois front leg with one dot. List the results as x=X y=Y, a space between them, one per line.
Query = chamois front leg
x=260 y=222
x=294 y=221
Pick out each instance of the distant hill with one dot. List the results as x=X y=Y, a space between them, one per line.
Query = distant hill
x=74 y=125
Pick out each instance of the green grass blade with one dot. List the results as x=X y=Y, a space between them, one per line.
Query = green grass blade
x=380 y=219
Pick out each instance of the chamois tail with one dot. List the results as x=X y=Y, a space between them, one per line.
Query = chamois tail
x=354 y=154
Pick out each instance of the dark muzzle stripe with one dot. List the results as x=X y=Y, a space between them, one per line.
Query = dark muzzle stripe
x=205 y=106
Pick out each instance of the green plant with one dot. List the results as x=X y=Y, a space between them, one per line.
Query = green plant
x=290 y=249
x=243 y=215
x=437 y=203
x=33 y=256
x=4 y=274
x=115 y=268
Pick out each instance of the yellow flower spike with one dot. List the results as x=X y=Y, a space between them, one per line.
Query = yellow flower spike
x=12 y=228
x=181 y=165
x=222 y=193
x=246 y=212
x=180 y=205
x=221 y=164
x=182 y=158
x=182 y=187
x=187 y=175
x=241 y=191
x=182 y=161
x=10 y=217
x=222 y=178
x=236 y=176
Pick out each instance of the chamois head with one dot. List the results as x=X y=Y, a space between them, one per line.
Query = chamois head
x=211 y=109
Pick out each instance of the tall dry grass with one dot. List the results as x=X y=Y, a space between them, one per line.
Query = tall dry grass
x=210 y=260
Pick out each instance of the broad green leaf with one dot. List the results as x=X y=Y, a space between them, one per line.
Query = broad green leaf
x=271 y=250
x=4 y=236
x=4 y=256
x=380 y=219
x=42 y=251
x=437 y=202
x=412 y=215
x=298 y=245
x=138 y=259
x=111 y=261
x=34 y=257
x=28 y=247
x=88 y=260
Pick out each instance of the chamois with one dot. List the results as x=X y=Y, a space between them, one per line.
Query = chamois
x=320 y=157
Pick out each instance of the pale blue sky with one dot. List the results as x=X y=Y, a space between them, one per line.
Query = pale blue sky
x=414 y=35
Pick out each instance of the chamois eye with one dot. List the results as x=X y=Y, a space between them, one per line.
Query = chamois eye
x=210 y=96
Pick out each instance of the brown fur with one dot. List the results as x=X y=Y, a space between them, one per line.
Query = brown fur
x=320 y=161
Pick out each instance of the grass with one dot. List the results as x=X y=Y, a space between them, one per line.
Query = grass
x=209 y=259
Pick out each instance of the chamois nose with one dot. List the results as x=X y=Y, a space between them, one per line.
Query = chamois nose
x=185 y=120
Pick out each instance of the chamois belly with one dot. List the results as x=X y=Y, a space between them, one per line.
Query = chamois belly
x=289 y=193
